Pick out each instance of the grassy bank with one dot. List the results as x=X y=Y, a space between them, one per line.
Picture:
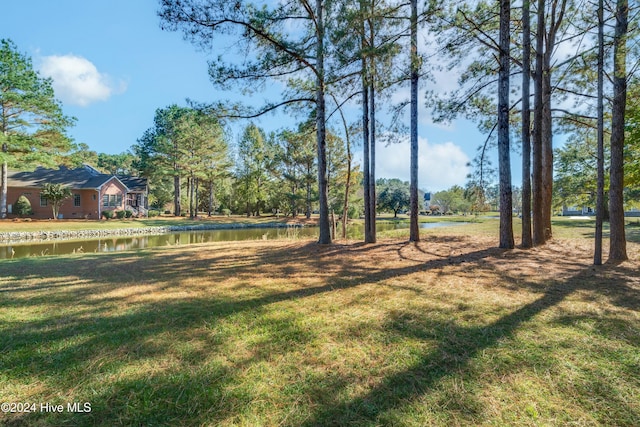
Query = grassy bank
x=163 y=221
x=563 y=227
x=19 y=225
x=451 y=331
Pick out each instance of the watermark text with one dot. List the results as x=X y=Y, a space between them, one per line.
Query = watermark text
x=24 y=407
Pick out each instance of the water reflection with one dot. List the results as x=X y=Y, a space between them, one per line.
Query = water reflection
x=113 y=244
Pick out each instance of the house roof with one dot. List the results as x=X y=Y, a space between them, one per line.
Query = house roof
x=134 y=183
x=82 y=178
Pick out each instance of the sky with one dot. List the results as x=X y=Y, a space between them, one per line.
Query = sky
x=112 y=66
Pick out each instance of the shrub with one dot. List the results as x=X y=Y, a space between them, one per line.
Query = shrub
x=226 y=212
x=354 y=212
x=128 y=213
x=22 y=206
x=153 y=213
x=107 y=214
x=120 y=214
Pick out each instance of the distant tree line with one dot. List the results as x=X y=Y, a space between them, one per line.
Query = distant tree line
x=190 y=161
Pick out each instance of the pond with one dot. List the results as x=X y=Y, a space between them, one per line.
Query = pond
x=125 y=243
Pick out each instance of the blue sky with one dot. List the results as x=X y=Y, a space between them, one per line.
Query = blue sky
x=113 y=66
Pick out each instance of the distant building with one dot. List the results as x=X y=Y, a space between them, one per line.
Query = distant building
x=577 y=211
x=92 y=192
x=589 y=211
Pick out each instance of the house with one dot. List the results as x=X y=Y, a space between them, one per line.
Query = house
x=577 y=211
x=589 y=211
x=93 y=192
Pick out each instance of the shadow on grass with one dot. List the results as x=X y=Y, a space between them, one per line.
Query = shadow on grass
x=586 y=228
x=459 y=345
x=99 y=339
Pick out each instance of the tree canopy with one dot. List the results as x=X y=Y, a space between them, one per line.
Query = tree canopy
x=32 y=123
x=393 y=195
x=56 y=194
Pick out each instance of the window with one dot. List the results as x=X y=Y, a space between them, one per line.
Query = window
x=76 y=200
x=112 y=200
x=43 y=200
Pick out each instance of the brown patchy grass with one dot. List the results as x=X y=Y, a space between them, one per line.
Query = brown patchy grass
x=449 y=331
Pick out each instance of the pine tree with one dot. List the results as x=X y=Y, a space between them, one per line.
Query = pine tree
x=504 y=166
x=278 y=53
x=618 y=243
x=31 y=119
x=160 y=154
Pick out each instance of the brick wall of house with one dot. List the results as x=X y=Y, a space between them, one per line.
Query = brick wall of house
x=30 y=193
x=82 y=204
x=87 y=201
x=117 y=196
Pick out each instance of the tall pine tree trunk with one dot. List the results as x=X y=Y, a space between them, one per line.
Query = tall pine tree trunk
x=191 y=186
x=414 y=231
x=527 y=241
x=372 y=166
x=542 y=129
x=308 y=197
x=504 y=164
x=325 y=228
x=547 y=148
x=538 y=229
x=597 y=253
x=372 y=122
x=368 y=234
x=4 y=175
x=618 y=242
x=210 y=199
x=197 y=195
x=177 y=204
x=347 y=187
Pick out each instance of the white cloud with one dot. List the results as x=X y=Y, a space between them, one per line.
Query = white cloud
x=77 y=81
x=440 y=166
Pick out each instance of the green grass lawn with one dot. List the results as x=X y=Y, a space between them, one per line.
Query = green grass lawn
x=451 y=331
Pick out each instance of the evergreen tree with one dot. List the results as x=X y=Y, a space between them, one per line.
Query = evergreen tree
x=31 y=119
x=204 y=152
x=254 y=162
x=414 y=60
x=22 y=206
x=278 y=52
x=81 y=154
x=618 y=243
x=527 y=239
x=600 y=210
x=504 y=166
x=369 y=61
x=339 y=172
x=160 y=156
x=117 y=164
x=298 y=168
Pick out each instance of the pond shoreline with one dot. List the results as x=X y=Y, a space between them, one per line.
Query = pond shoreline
x=59 y=235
